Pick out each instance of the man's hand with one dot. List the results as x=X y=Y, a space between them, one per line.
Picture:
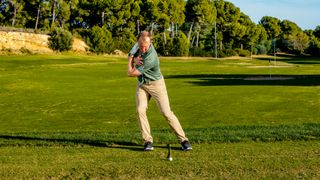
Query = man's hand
x=138 y=60
x=132 y=71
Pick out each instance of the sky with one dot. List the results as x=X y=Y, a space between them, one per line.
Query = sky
x=305 y=13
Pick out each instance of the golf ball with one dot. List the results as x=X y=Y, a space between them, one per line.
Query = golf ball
x=170 y=159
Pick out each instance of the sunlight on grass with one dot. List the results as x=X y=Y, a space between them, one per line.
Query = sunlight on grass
x=73 y=116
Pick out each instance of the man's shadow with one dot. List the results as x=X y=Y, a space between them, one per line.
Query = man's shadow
x=95 y=143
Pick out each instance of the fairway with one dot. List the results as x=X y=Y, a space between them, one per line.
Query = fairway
x=73 y=116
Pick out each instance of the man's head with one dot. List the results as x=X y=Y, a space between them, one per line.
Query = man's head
x=144 y=41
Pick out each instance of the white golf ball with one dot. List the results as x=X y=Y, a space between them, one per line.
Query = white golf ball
x=170 y=159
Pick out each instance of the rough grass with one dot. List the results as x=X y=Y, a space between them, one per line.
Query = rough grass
x=69 y=117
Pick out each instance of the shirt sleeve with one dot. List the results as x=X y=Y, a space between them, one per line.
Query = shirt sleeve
x=140 y=69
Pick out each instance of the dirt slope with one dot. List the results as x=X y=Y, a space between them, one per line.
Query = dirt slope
x=35 y=43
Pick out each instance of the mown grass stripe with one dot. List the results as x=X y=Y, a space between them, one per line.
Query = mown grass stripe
x=265 y=133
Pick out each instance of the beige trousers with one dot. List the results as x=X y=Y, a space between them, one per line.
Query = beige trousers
x=157 y=90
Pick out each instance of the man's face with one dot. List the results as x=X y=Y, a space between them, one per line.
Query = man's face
x=144 y=44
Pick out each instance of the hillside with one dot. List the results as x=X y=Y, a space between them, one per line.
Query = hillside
x=17 y=42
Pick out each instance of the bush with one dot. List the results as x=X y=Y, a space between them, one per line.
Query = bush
x=125 y=41
x=243 y=52
x=227 y=53
x=24 y=50
x=261 y=49
x=180 y=45
x=60 y=40
x=197 y=51
x=314 y=48
x=100 y=40
x=163 y=43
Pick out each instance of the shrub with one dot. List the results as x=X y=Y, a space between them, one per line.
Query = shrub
x=180 y=45
x=227 y=53
x=261 y=49
x=24 y=50
x=163 y=43
x=60 y=40
x=197 y=51
x=100 y=40
x=314 y=46
x=124 y=41
x=243 y=52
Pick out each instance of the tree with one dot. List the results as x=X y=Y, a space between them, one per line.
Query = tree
x=163 y=43
x=228 y=24
x=12 y=13
x=172 y=14
x=60 y=13
x=37 y=12
x=201 y=14
x=181 y=45
x=299 y=42
x=159 y=15
x=288 y=29
x=149 y=14
x=38 y=4
x=124 y=41
x=272 y=26
x=234 y=28
x=263 y=46
x=316 y=32
x=17 y=8
x=314 y=43
x=4 y=8
x=100 y=40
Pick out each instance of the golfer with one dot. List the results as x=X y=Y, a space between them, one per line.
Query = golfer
x=143 y=62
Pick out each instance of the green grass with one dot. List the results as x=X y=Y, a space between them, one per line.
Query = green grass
x=73 y=116
x=285 y=160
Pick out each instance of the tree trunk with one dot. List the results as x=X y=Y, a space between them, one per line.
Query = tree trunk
x=172 y=30
x=14 y=13
x=189 y=34
x=53 y=12
x=197 y=44
x=38 y=15
x=192 y=41
x=102 y=19
x=176 y=28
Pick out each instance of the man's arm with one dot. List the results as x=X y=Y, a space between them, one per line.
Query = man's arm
x=132 y=71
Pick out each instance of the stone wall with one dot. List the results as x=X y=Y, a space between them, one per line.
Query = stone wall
x=35 y=43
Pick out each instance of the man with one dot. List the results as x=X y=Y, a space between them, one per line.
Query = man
x=144 y=64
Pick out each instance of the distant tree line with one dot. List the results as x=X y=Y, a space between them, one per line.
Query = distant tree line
x=180 y=28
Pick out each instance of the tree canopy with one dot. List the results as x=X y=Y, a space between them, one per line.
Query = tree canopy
x=209 y=25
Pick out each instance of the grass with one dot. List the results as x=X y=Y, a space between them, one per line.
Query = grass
x=73 y=116
x=218 y=160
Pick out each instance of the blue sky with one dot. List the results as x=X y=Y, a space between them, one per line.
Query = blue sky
x=305 y=13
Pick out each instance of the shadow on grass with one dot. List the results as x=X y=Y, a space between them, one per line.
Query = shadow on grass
x=218 y=134
x=250 y=79
x=65 y=142
x=292 y=59
x=36 y=141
